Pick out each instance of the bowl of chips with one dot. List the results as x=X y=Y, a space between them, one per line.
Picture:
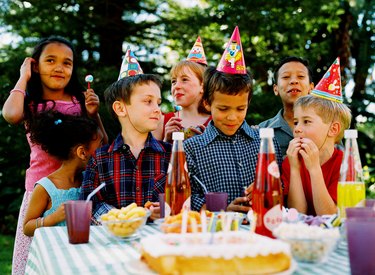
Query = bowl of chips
x=126 y=222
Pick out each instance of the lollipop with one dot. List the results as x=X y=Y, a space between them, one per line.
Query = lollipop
x=89 y=78
x=177 y=109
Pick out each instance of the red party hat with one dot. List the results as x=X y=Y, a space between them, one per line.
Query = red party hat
x=329 y=87
x=130 y=65
x=197 y=53
x=233 y=61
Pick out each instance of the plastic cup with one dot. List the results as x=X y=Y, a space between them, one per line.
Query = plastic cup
x=216 y=201
x=359 y=212
x=361 y=245
x=369 y=202
x=78 y=218
x=162 y=204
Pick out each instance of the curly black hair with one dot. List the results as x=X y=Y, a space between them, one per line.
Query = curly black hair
x=58 y=134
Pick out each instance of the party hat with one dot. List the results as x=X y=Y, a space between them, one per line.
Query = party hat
x=233 y=61
x=130 y=65
x=329 y=86
x=197 y=53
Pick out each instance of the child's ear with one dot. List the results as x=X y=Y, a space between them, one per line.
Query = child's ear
x=275 y=89
x=335 y=129
x=35 y=67
x=81 y=152
x=207 y=106
x=119 y=108
x=311 y=87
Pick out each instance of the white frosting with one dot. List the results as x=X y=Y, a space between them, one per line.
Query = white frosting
x=215 y=245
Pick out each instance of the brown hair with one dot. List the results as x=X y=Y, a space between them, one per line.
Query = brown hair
x=123 y=88
x=198 y=70
x=230 y=84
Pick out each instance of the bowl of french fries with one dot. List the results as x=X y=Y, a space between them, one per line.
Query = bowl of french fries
x=125 y=222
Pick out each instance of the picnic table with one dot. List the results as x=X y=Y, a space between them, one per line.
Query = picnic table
x=51 y=253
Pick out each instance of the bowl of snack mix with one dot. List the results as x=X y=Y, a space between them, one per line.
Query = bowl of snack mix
x=308 y=243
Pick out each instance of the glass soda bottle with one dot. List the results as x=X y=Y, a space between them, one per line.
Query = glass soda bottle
x=351 y=186
x=267 y=193
x=177 y=189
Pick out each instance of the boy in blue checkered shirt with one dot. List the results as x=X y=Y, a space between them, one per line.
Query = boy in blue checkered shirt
x=224 y=157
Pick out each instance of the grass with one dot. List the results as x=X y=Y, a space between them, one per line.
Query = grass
x=6 y=253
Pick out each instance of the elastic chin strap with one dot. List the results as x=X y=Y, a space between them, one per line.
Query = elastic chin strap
x=127 y=113
x=326 y=135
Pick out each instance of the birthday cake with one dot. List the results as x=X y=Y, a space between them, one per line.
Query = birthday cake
x=237 y=252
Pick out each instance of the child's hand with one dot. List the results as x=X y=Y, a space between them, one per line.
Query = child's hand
x=155 y=211
x=173 y=125
x=92 y=102
x=240 y=204
x=26 y=68
x=310 y=153
x=249 y=192
x=293 y=152
x=198 y=130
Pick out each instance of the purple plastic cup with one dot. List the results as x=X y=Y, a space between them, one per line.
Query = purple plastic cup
x=78 y=218
x=359 y=212
x=361 y=245
x=369 y=202
x=162 y=204
x=216 y=201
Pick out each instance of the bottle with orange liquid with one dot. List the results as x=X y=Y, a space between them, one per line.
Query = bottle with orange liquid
x=267 y=194
x=351 y=186
x=177 y=188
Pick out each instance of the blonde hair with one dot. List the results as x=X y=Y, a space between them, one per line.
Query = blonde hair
x=328 y=111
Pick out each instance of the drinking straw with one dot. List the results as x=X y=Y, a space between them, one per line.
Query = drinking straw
x=201 y=184
x=95 y=191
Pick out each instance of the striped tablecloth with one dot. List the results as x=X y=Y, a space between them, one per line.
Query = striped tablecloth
x=51 y=253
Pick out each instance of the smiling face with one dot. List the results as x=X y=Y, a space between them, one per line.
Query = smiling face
x=144 y=112
x=228 y=111
x=55 y=67
x=308 y=124
x=292 y=82
x=186 y=88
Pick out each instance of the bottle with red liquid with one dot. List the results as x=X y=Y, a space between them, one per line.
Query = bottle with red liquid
x=177 y=189
x=267 y=193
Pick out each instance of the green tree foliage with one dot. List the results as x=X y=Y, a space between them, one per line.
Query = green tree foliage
x=162 y=32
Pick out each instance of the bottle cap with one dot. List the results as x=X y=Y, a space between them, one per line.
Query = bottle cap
x=351 y=133
x=178 y=135
x=266 y=132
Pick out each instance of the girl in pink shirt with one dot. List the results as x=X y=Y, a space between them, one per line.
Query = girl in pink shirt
x=48 y=80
